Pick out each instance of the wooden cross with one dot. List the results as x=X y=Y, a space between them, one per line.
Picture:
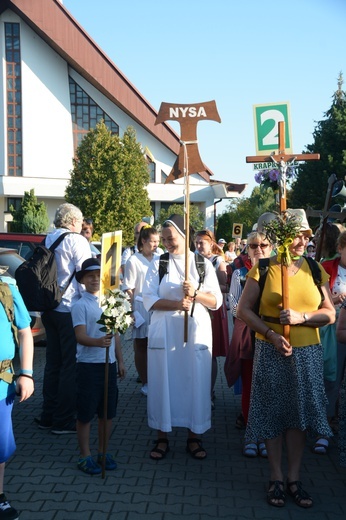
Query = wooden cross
x=325 y=214
x=188 y=160
x=282 y=159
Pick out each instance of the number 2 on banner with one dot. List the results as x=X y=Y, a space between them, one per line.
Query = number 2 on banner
x=274 y=116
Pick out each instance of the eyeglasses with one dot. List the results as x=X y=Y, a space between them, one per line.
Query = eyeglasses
x=255 y=246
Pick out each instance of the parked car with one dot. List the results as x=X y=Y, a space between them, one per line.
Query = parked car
x=97 y=244
x=23 y=243
x=10 y=260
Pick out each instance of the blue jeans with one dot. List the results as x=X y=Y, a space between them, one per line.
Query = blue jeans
x=59 y=382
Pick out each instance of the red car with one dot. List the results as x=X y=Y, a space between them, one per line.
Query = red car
x=23 y=243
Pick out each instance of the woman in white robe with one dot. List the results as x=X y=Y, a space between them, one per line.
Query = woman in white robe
x=179 y=373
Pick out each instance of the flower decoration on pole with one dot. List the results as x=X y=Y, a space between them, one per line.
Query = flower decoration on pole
x=116 y=315
x=282 y=230
x=271 y=178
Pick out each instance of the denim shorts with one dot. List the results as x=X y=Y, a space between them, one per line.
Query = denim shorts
x=90 y=391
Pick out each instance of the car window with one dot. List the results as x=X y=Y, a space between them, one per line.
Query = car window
x=12 y=261
x=24 y=249
x=11 y=244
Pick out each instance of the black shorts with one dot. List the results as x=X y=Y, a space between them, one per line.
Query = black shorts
x=90 y=391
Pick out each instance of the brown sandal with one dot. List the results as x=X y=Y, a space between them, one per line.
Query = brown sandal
x=162 y=453
x=194 y=453
x=276 y=497
x=299 y=495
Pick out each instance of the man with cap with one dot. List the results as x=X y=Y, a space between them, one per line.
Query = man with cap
x=91 y=356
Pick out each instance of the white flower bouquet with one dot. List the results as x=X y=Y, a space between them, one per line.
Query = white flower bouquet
x=116 y=315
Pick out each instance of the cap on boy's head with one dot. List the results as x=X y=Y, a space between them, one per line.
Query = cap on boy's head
x=91 y=264
x=221 y=241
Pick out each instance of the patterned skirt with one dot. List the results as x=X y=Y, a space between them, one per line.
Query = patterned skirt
x=287 y=393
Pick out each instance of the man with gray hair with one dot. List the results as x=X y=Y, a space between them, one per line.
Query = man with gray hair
x=59 y=391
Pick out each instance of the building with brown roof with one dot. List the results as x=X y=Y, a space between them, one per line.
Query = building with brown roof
x=55 y=84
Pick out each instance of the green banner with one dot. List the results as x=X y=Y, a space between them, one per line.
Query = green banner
x=267 y=118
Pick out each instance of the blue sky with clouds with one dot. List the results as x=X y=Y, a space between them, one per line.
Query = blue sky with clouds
x=238 y=53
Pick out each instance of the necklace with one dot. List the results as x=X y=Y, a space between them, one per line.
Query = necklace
x=294 y=267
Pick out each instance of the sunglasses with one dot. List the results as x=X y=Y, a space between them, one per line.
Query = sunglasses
x=255 y=246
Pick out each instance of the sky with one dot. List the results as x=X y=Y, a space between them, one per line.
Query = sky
x=239 y=54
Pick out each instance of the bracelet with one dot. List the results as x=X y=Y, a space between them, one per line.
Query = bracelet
x=27 y=375
x=267 y=332
x=26 y=372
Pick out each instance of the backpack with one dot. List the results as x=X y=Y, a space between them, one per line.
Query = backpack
x=263 y=265
x=37 y=278
x=6 y=299
x=237 y=263
x=200 y=266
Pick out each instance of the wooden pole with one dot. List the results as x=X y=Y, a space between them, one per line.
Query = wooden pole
x=187 y=247
x=322 y=228
x=283 y=207
x=105 y=415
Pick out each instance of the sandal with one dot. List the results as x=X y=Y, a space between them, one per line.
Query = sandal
x=262 y=450
x=250 y=450
x=199 y=450
x=276 y=497
x=320 y=447
x=161 y=452
x=301 y=497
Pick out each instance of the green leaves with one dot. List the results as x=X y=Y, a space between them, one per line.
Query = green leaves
x=108 y=181
x=32 y=217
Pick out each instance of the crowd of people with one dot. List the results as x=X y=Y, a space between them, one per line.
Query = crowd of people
x=292 y=383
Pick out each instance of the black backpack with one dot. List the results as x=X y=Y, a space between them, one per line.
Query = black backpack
x=37 y=278
x=263 y=265
x=200 y=266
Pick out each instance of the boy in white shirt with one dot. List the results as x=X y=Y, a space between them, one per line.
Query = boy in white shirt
x=91 y=343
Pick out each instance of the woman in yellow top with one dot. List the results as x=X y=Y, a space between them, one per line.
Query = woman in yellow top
x=288 y=397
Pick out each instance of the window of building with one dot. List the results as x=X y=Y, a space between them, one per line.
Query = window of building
x=163 y=177
x=152 y=169
x=13 y=99
x=166 y=205
x=152 y=205
x=86 y=114
x=15 y=202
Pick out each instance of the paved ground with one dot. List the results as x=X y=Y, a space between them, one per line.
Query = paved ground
x=43 y=482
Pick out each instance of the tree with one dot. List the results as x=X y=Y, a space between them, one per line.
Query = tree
x=245 y=211
x=196 y=217
x=31 y=217
x=108 y=181
x=309 y=189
